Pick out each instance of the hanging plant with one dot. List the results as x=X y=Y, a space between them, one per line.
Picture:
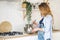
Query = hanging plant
x=28 y=10
x=28 y=27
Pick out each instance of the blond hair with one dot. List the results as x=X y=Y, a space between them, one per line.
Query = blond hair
x=45 y=8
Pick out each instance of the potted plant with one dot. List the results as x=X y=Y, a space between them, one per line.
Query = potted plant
x=28 y=7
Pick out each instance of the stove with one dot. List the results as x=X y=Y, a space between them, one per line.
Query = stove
x=11 y=33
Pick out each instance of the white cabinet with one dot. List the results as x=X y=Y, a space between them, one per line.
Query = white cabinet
x=25 y=38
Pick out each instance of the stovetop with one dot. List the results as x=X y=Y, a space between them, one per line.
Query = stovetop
x=11 y=33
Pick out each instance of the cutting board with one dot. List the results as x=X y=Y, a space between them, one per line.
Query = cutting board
x=5 y=26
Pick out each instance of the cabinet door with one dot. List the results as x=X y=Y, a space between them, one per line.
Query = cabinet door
x=24 y=38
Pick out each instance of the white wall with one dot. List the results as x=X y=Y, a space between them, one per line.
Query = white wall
x=12 y=12
x=55 y=7
x=9 y=11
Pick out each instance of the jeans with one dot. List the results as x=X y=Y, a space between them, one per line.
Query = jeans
x=40 y=35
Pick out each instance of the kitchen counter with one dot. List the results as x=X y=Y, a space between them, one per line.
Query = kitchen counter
x=16 y=36
x=29 y=36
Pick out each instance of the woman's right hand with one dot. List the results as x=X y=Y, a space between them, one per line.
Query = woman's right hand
x=34 y=22
x=34 y=30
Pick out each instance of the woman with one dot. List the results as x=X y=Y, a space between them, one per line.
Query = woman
x=45 y=24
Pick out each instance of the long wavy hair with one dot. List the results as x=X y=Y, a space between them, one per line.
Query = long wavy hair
x=45 y=9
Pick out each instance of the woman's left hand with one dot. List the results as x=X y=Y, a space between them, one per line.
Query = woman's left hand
x=35 y=29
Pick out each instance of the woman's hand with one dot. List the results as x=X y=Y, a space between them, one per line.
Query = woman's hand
x=35 y=29
x=34 y=22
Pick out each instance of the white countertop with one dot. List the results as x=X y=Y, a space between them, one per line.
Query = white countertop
x=18 y=36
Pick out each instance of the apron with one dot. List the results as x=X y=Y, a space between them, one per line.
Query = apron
x=41 y=33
